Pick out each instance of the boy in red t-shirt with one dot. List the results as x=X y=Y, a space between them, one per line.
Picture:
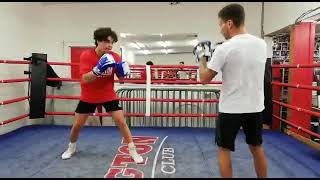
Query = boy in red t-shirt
x=97 y=69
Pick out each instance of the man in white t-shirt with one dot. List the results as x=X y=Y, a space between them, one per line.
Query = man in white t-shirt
x=241 y=60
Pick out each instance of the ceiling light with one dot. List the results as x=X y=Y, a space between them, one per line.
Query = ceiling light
x=146 y=52
x=168 y=43
x=124 y=35
x=140 y=45
x=194 y=42
x=163 y=44
x=167 y=51
x=134 y=45
x=164 y=51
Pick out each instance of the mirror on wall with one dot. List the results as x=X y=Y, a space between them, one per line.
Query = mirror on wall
x=159 y=48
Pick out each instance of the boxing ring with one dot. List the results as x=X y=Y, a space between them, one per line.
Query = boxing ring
x=174 y=139
x=35 y=151
x=172 y=122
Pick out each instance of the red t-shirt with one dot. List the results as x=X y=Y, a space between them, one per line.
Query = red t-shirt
x=101 y=89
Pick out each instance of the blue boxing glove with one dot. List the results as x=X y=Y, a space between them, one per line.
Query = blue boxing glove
x=122 y=69
x=104 y=63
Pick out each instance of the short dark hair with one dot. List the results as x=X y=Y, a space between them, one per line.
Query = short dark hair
x=234 y=12
x=101 y=34
x=181 y=62
x=149 y=63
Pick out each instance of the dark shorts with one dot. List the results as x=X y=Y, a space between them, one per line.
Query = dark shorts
x=228 y=125
x=87 y=108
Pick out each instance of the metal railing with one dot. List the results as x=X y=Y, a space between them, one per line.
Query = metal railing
x=171 y=107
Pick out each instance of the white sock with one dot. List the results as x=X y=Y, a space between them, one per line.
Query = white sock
x=131 y=145
x=72 y=145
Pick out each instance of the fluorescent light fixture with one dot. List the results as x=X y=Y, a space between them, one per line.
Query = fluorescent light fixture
x=140 y=45
x=165 y=43
x=168 y=43
x=145 y=52
x=134 y=45
x=164 y=51
x=124 y=35
x=167 y=51
x=137 y=45
x=194 y=42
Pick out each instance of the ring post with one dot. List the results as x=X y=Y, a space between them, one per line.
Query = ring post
x=302 y=43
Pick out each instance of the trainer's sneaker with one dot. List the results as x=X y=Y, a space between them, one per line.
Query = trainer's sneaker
x=133 y=153
x=70 y=151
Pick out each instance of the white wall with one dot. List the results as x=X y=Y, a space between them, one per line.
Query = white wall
x=76 y=22
x=281 y=14
x=18 y=21
x=44 y=28
x=166 y=59
x=50 y=28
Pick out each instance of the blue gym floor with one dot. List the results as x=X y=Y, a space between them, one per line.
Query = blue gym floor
x=35 y=152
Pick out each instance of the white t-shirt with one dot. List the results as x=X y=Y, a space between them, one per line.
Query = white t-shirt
x=241 y=60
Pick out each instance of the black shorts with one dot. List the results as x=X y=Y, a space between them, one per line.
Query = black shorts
x=228 y=125
x=87 y=108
